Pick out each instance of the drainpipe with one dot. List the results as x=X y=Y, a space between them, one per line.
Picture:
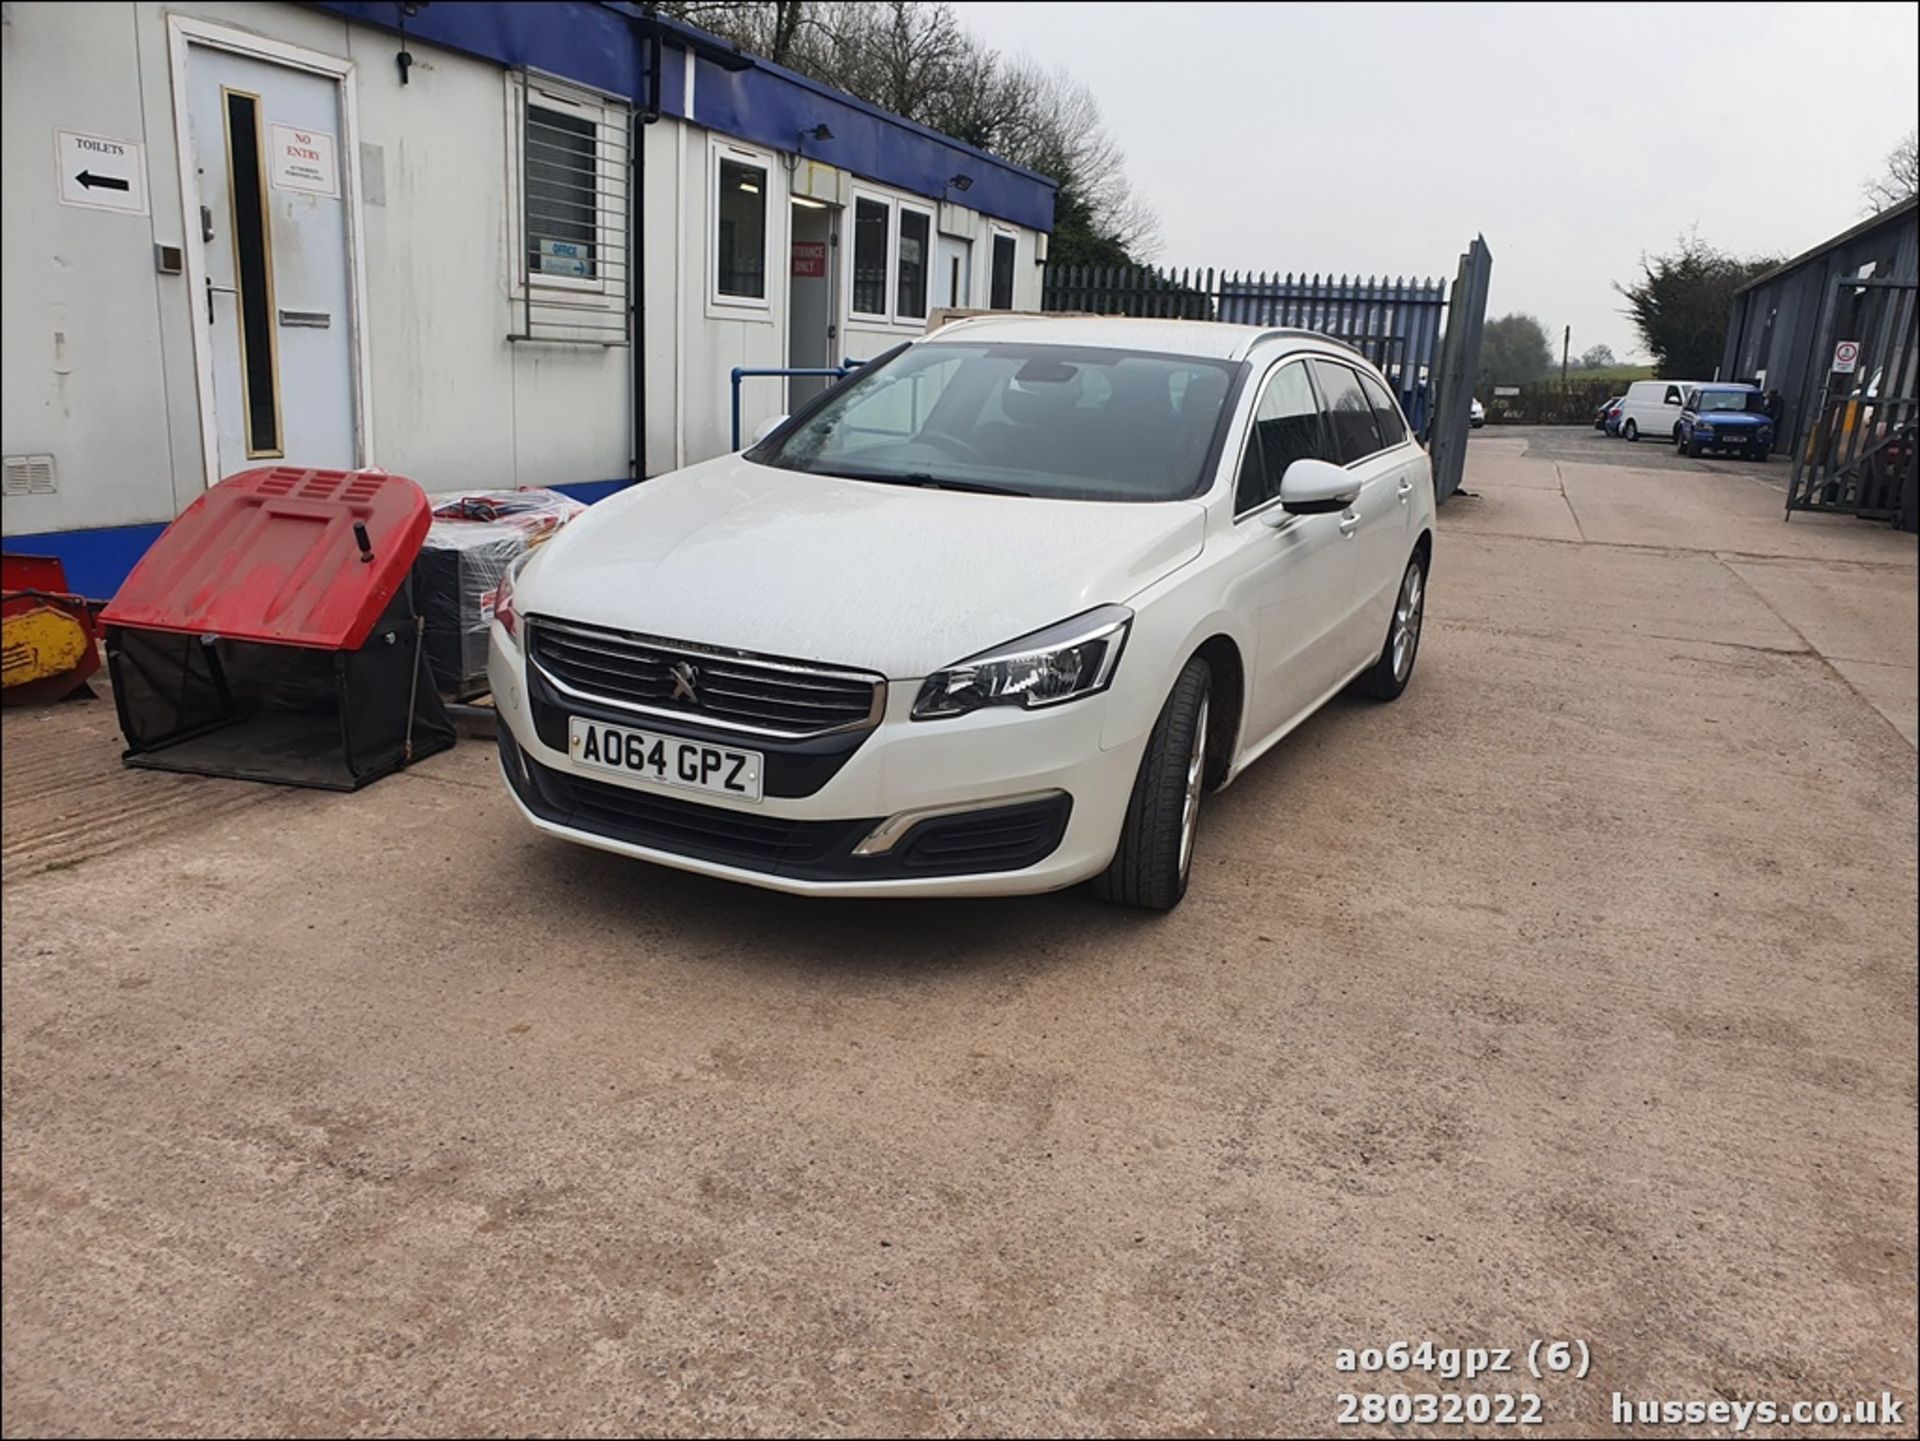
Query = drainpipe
x=637 y=295
x=637 y=257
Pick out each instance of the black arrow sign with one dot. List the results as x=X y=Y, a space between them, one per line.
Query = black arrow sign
x=101 y=182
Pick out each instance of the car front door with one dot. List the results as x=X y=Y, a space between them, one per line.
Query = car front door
x=1380 y=519
x=1294 y=573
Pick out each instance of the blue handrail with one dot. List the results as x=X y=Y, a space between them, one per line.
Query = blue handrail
x=746 y=372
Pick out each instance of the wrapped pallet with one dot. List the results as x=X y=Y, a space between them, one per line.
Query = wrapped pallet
x=474 y=537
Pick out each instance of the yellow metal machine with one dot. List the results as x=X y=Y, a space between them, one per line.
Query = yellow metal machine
x=48 y=641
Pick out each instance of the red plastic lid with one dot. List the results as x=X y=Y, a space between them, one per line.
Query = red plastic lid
x=272 y=555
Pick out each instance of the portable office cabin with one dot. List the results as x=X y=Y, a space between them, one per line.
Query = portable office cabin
x=430 y=243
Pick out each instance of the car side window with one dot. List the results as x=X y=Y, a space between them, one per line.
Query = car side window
x=1345 y=412
x=1673 y=395
x=1386 y=414
x=1286 y=427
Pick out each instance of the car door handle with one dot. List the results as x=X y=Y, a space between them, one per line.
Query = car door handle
x=1349 y=522
x=1405 y=490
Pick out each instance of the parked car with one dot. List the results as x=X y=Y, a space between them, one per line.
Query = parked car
x=1727 y=418
x=988 y=617
x=1476 y=415
x=1607 y=408
x=1652 y=407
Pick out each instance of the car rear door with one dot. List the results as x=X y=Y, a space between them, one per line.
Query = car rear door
x=1292 y=573
x=1386 y=510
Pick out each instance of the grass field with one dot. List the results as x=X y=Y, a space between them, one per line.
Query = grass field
x=1620 y=373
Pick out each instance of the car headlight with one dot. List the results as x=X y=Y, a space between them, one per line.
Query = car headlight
x=503 y=607
x=1064 y=662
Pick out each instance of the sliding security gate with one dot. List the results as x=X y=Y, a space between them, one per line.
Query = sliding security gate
x=1857 y=456
x=1425 y=340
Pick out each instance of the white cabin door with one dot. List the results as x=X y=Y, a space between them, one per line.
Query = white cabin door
x=278 y=297
x=953 y=273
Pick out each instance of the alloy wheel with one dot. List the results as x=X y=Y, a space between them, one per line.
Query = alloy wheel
x=1406 y=620
x=1196 y=772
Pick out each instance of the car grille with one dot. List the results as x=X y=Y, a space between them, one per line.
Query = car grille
x=732 y=690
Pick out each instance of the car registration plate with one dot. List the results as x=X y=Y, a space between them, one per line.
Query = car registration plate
x=665 y=760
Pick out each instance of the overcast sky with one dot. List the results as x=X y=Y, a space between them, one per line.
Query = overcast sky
x=1380 y=138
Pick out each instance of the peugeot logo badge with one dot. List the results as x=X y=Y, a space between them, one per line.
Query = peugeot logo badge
x=685 y=677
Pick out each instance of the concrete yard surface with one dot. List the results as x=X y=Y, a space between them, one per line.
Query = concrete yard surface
x=1572 y=997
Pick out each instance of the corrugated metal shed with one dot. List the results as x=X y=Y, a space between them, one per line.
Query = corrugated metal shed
x=1776 y=323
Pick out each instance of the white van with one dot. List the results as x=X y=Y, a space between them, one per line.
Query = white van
x=1652 y=407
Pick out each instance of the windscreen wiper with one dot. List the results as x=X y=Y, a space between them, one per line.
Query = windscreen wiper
x=928 y=481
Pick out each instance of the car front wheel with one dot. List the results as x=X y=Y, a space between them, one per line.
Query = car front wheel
x=1150 y=867
x=1630 y=431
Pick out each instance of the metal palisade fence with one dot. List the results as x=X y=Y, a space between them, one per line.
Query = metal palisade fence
x=1402 y=326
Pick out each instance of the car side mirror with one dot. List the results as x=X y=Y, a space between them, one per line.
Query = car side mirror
x=767 y=427
x=1315 y=487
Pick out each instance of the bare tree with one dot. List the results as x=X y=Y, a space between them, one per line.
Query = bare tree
x=1055 y=128
x=1901 y=178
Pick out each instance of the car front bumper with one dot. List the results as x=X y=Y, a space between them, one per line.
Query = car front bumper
x=1034 y=792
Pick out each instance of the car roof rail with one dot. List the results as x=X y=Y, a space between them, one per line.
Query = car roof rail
x=1295 y=332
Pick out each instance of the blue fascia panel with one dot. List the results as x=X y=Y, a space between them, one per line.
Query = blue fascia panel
x=772 y=106
x=589 y=491
x=602 y=46
x=590 y=44
x=96 y=561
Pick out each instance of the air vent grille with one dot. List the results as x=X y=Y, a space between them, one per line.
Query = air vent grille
x=30 y=475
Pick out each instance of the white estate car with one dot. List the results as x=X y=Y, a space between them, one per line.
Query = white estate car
x=988 y=617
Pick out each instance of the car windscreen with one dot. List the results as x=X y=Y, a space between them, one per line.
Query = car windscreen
x=1065 y=422
x=1729 y=400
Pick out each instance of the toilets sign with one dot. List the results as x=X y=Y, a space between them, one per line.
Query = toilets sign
x=101 y=174
x=303 y=160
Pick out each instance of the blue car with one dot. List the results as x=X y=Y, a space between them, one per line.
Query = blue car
x=1724 y=418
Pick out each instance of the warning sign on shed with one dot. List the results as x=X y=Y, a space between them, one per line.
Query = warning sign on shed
x=303 y=160
x=1846 y=356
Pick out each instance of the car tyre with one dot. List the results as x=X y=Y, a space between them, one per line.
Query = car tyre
x=1682 y=444
x=1630 y=431
x=1390 y=672
x=1150 y=867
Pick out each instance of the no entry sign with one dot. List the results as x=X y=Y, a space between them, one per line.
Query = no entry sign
x=1846 y=355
